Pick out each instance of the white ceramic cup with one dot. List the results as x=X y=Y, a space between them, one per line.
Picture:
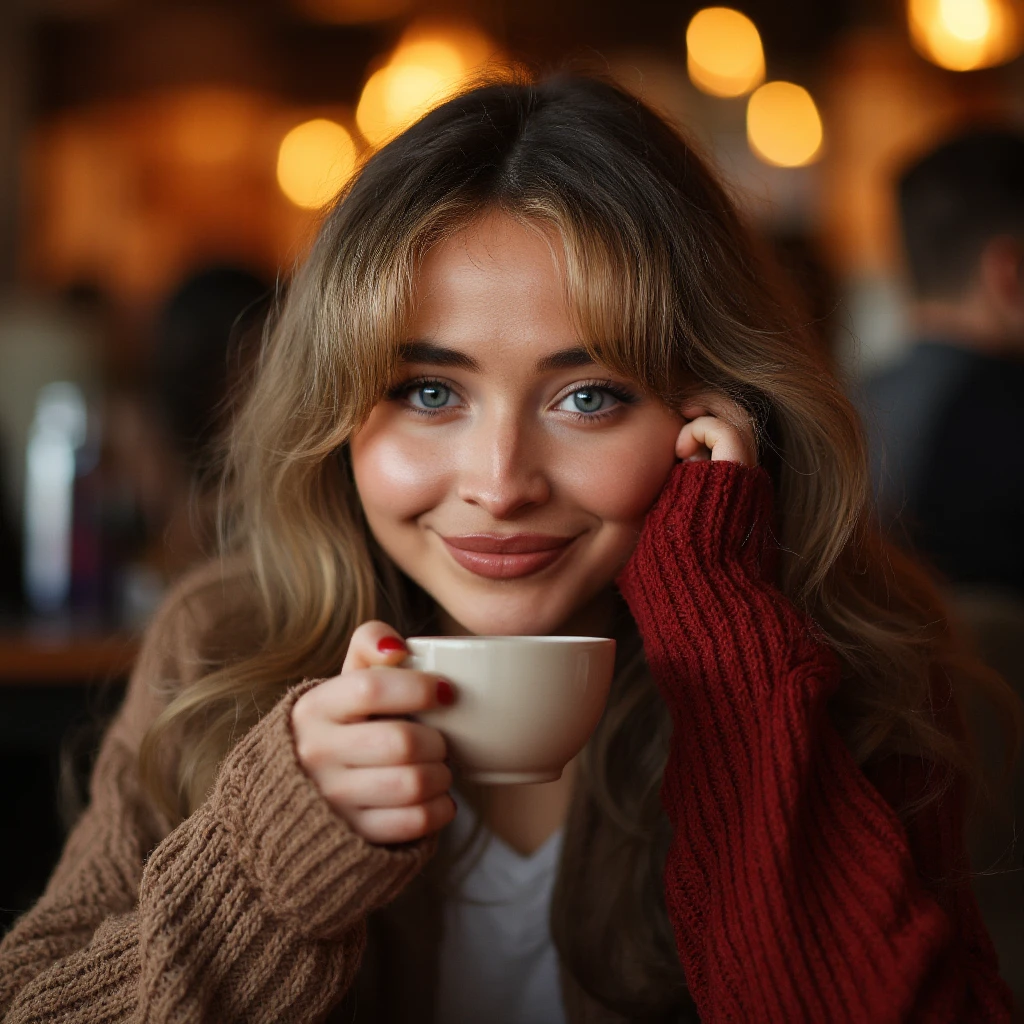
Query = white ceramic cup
x=524 y=705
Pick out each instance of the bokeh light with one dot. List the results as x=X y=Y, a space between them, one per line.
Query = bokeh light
x=314 y=160
x=210 y=125
x=724 y=55
x=783 y=125
x=428 y=66
x=963 y=35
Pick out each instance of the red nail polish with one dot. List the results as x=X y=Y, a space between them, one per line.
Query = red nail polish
x=445 y=693
x=389 y=644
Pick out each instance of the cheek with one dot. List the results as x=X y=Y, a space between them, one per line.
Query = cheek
x=396 y=477
x=619 y=482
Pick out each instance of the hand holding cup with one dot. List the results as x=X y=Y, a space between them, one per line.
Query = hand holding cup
x=384 y=774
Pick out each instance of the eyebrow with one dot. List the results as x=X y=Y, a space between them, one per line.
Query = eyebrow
x=438 y=355
x=566 y=359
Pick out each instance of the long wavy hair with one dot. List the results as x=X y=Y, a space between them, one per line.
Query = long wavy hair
x=665 y=284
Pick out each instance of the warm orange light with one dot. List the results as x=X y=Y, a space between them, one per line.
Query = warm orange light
x=209 y=125
x=963 y=35
x=724 y=55
x=427 y=67
x=314 y=161
x=783 y=125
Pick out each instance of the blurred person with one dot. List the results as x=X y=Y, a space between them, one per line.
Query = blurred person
x=533 y=323
x=164 y=437
x=946 y=422
x=203 y=340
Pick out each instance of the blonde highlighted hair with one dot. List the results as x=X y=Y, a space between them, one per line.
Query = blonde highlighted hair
x=666 y=285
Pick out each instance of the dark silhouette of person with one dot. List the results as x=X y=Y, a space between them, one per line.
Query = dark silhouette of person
x=166 y=436
x=204 y=338
x=946 y=422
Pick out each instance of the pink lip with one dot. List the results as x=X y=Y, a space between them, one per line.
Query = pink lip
x=501 y=558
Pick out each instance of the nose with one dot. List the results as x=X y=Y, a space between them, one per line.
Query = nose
x=502 y=467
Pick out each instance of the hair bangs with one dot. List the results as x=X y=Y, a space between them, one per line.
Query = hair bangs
x=618 y=296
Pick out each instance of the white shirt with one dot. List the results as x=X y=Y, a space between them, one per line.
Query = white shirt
x=497 y=961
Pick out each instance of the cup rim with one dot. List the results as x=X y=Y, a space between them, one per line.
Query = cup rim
x=512 y=639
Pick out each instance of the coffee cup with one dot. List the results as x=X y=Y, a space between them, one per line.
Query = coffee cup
x=525 y=705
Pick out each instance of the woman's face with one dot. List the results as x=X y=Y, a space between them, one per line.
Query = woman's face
x=506 y=473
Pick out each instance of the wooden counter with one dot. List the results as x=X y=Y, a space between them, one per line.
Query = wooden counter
x=58 y=659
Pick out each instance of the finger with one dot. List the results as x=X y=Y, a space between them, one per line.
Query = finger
x=700 y=436
x=404 y=824
x=689 y=448
x=724 y=441
x=398 y=786
x=375 y=744
x=713 y=403
x=374 y=643
x=355 y=696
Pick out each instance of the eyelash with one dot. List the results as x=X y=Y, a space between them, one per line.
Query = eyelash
x=400 y=391
x=621 y=394
x=617 y=391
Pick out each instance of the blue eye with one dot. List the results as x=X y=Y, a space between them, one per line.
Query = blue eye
x=432 y=395
x=591 y=400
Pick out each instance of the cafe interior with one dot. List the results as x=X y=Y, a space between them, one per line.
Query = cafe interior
x=163 y=168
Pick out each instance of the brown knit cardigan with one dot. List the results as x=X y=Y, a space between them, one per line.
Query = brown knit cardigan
x=255 y=908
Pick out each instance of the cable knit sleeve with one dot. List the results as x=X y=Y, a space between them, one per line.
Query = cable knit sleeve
x=791 y=884
x=252 y=909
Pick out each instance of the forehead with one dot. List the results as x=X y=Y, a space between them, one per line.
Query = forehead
x=496 y=282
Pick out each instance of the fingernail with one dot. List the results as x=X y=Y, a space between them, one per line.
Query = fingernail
x=445 y=693
x=390 y=644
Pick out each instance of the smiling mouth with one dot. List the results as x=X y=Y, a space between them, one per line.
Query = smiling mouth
x=504 y=558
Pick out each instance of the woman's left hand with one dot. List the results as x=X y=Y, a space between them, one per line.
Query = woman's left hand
x=717 y=429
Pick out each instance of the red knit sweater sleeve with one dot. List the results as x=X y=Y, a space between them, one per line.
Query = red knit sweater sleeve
x=791 y=884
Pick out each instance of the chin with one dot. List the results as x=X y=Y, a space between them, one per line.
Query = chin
x=503 y=620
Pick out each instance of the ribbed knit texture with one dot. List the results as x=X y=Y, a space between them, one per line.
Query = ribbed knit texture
x=253 y=909
x=791 y=883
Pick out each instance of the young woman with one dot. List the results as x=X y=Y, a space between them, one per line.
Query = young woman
x=532 y=379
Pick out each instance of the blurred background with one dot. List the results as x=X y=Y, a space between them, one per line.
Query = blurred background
x=162 y=167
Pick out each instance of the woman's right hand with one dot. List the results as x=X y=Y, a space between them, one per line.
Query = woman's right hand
x=385 y=775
